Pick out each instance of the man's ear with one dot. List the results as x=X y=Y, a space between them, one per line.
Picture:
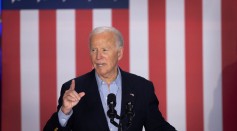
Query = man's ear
x=120 y=53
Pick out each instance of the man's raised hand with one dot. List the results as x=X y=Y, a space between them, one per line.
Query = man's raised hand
x=71 y=98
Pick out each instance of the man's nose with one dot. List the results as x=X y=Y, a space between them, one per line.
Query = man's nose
x=98 y=55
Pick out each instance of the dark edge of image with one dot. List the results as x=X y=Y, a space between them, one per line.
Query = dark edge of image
x=0 y=64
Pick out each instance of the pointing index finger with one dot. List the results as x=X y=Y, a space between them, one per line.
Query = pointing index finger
x=72 y=86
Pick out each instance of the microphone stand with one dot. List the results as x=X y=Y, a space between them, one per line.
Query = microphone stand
x=120 y=127
x=129 y=114
x=112 y=113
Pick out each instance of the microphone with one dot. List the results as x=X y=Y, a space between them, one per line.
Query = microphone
x=112 y=113
x=129 y=112
x=111 y=102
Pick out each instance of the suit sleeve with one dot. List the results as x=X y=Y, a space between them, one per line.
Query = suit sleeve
x=53 y=123
x=154 y=119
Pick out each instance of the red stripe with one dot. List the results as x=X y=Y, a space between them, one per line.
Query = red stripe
x=47 y=54
x=120 y=20
x=194 y=68
x=11 y=97
x=229 y=64
x=157 y=50
x=83 y=28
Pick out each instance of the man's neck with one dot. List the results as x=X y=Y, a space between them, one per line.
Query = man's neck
x=110 y=78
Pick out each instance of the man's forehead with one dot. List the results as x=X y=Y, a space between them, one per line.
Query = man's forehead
x=103 y=38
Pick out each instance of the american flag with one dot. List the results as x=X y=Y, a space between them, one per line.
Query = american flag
x=188 y=48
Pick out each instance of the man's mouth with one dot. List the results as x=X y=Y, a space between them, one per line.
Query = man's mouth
x=100 y=65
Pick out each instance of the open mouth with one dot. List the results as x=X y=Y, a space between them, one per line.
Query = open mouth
x=100 y=65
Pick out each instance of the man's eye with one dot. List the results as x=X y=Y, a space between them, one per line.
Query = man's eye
x=105 y=50
x=93 y=50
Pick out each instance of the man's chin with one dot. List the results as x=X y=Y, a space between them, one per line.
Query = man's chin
x=100 y=72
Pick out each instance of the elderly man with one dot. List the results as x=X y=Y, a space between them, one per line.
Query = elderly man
x=84 y=104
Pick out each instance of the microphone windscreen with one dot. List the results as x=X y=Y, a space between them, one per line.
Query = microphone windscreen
x=111 y=99
x=130 y=98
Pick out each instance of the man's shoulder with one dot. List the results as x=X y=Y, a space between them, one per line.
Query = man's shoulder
x=133 y=77
x=137 y=83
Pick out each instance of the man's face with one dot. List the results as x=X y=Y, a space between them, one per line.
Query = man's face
x=105 y=54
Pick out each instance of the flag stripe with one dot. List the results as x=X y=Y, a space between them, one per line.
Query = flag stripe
x=65 y=36
x=194 y=79
x=47 y=56
x=29 y=56
x=229 y=63
x=138 y=33
x=11 y=89
x=83 y=28
x=101 y=17
x=120 y=20
x=157 y=50
x=175 y=58
x=212 y=65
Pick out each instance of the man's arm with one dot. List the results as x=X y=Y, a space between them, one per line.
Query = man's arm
x=63 y=118
x=67 y=100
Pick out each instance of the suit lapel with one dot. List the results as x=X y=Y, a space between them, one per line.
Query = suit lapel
x=127 y=89
x=95 y=101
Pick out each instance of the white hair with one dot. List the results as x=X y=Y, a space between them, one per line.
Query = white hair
x=118 y=35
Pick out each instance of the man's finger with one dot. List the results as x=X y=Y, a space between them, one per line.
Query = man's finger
x=72 y=93
x=72 y=86
x=81 y=94
x=72 y=99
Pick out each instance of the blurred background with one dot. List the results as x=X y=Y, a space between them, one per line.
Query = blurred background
x=1 y=61
x=187 y=48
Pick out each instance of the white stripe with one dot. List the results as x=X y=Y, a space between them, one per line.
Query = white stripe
x=29 y=55
x=175 y=53
x=138 y=32
x=102 y=17
x=66 y=65
x=212 y=65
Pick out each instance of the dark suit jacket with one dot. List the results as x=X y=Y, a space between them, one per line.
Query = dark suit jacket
x=88 y=114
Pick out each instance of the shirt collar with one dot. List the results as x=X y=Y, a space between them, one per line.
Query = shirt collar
x=117 y=81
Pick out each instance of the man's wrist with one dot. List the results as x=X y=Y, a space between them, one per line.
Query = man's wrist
x=66 y=111
x=63 y=118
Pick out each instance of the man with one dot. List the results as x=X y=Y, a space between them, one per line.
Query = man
x=83 y=101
